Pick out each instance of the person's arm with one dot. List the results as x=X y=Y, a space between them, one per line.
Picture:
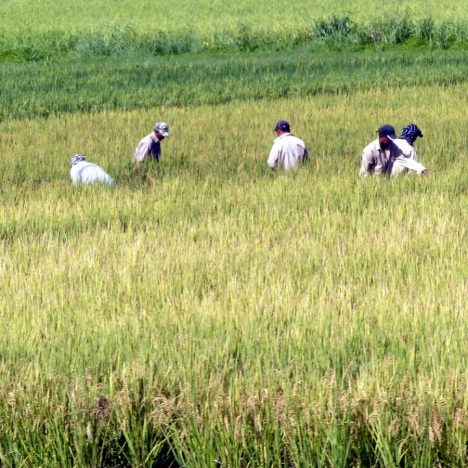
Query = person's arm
x=367 y=163
x=273 y=157
x=75 y=176
x=411 y=163
x=142 y=149
x=305 y=156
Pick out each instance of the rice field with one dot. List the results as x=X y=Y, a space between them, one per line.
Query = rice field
x=205 y=312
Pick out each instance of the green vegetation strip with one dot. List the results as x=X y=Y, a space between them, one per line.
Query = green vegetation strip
x=333 y=32
x=207 y=16
x=30 y=90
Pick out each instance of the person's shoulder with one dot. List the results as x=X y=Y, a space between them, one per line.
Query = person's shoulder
x=295 y=137
x=79 y=164
x=292 y=137
x=403 y=145
x=147 y=137
x=373 y=145
x=401 y=142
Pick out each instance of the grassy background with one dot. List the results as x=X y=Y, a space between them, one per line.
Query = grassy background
x=205 y=16
x=30 y=90
x=209 y=311
x=45 y=31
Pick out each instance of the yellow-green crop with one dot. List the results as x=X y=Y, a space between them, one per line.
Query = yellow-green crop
x=208 y=312
x=205 y=16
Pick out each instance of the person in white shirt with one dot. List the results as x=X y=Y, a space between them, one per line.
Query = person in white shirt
x=288 y=151
x=84 y=172
x=149 y=147
x=389 y=155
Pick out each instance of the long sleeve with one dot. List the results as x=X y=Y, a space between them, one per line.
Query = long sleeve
x=410 y=164
x=367 y=163
x=274 y=156
x=142 y=149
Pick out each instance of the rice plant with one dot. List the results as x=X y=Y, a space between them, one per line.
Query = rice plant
x=216 y=314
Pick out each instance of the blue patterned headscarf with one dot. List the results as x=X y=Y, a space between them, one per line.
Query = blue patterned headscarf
x=77 y=158
x=410 y=133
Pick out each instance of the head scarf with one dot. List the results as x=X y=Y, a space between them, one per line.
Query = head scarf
x=77 y=158
x=410 y=133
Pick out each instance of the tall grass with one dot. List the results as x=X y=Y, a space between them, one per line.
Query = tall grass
x=212 y=313
x=331 y=32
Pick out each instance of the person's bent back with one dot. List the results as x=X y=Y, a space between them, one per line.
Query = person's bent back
x=84 y=172
x=288 y=151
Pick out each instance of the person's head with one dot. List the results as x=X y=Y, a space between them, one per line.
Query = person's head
x=282 y=126
x=410 y=133
x=386 y=134
x=77 y=158
x=161 y=130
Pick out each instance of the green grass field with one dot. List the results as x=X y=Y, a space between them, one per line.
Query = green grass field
x=42 y=31
x=204 y=15
x=204 y=311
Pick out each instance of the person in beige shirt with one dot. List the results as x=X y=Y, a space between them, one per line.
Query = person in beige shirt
x=288 y=151
x=149 y=147
x=389 y=155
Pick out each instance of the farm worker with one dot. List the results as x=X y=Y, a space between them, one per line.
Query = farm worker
x=288 y=151
x=410 y=133
x=389 y=155
x=84 y=172
x=149 y=147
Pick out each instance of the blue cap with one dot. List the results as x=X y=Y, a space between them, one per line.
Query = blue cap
x=282 y=125
x=387 y=130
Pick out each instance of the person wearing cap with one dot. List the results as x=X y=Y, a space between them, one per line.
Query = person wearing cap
x=85 y=172
x=149 y=147
x=288 y=151
x=389 y=155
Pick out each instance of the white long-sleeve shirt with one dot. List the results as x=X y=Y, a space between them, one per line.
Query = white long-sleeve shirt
x=287 y=152
x=398 y=158
x=85 y=172
x=148 y=147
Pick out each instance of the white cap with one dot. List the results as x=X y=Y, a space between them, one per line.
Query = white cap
x=162 y=128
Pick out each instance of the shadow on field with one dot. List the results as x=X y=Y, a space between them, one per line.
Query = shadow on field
x=115 y=455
